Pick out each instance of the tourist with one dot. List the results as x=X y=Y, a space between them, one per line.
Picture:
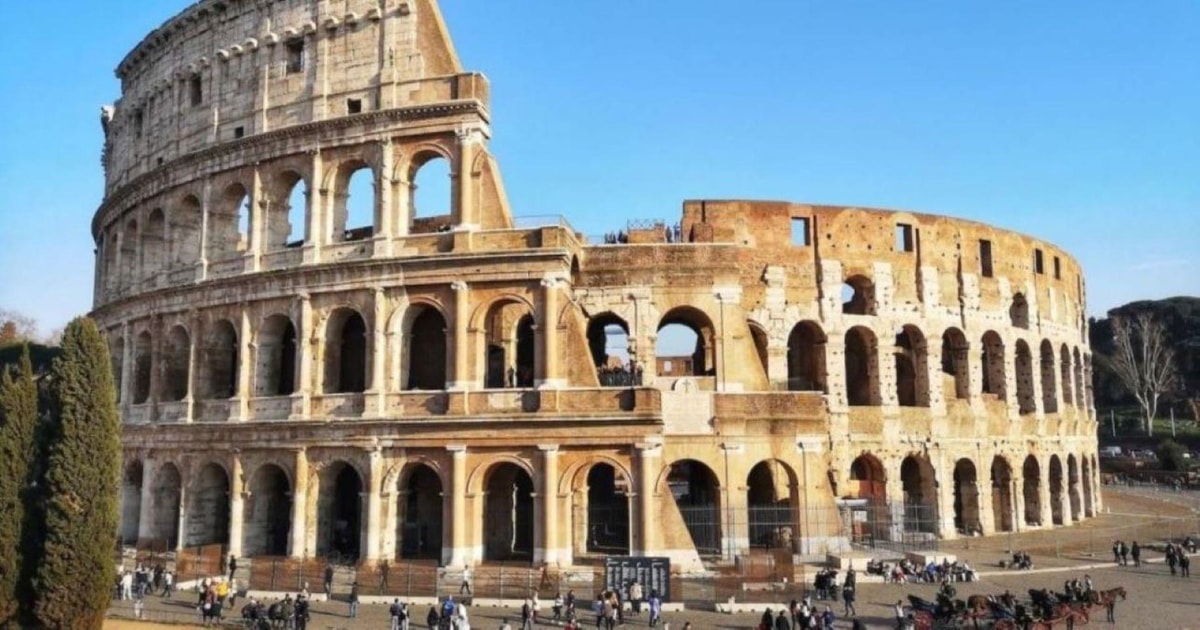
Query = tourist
x=1185 y=564
x=1136 y=552
x=328 y=581
x=655 y=608
x=232 y=565
x=781 y=622
x=848 y=597
x=465 y=587
x=353 y=600
x=827 y=617
x=1124 y=554
x=139 y=605
x=635 y=598
x=432 y=619
x=898 y=611
x=526 y=615
x=557 y=607
x=168 y=584
x=302 y=613
x=1171 y=557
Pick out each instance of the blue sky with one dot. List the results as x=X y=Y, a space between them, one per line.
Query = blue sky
x=1078 y=122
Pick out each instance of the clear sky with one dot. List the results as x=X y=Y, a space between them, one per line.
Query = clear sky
x=1078 y=122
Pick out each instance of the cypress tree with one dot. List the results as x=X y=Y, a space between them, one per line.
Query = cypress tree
x=18 y=423
x=74 y=578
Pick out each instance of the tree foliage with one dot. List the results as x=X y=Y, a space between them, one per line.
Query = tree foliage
x=18 y=448
x=1171 y=455
x=75 y=575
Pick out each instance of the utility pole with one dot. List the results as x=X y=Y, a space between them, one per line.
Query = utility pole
x=1172 y=421
x=1112 y=420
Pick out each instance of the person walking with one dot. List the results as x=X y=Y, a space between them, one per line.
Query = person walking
x=1185 y=565
x=655 y=608
x=1171 y=558
x=635 y=598
x=353 y=600
x=781 y=622
x=232 y=565
x=1136 y=552
x=1124 y=554
x=465 y=587
x=394 y=611
x=898 y=610
x=432 y=619
x=848 y=599
x=1116 y=552
x=328 y=581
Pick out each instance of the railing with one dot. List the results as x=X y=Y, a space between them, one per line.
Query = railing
x=542 y=220
x=347 y=250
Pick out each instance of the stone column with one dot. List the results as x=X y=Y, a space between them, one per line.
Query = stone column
x=146 y=515
x=299 y=506
x=649 y=463
x=317 y=234
x=462 y=198
x=459 y=552
x=549 y=358
x=377 y=390
x=305 y=357
x=547 y=525
x=205 y=211
x=246 y=351
x=983 y=483
x=259 y=208
x=383 y=199
x=1011 y=399
x=237 y=496
x=462 y=349
x=1047 y=511
x=193 y=375
x=1017 y=492
x=735 y=538
x=374 y=505
x=126 y=369
x=181 y=524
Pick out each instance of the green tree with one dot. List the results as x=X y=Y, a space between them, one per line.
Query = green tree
x=18 y=425
x=1171 y=455
x=80 y=493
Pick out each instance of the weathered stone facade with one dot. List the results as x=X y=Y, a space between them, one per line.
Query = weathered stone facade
x=294 y=384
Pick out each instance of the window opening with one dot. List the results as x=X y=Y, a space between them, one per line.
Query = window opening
x=295 y=56
x=985 y=258
x=196 y=91
x=354 y=106
x=800 y=232
x=904 y=238
x=1037 y=262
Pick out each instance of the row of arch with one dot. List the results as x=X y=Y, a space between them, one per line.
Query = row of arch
x=178 y=235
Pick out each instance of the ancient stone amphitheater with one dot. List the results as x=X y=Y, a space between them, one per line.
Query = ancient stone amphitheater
x=316 y=359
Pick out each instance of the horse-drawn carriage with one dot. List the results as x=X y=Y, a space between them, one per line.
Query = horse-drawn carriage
x=1044 y=610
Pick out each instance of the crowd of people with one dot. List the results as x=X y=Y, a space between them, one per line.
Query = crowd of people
x=906 y=571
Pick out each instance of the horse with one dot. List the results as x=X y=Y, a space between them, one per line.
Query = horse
x=1102 y=598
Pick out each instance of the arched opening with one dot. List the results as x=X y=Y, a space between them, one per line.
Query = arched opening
x=131 y=502
x=1018 y=312
x=165 y=493
x=511 y=345
x=508 y=514
x=1031 y=492
x=339 y=520
x=1056 y=490
x=1065 y=375
x=142 y=352
x=1073 y=487
x=130 y=266
x=208 y=508
x=431 y=195
x=806 y=358
x=154 y=244
x=696 y=491
x=759 y=337
x=685 y=344
x=177 y=355
x=354 y=203
x=1086 y=481
x=771 y=501
x=920 y=495
x=268 y=513
x=420 y=518
x=427 y=350
x=287 y=221
x=276 y=357
x=221 y=362
x=912 y=368
x=345 y=353
x=862 y=367
x=185 y=232
x=608 y=342
x=116 y=357
x=1049 y=391
x=1026 y=402
x=607 y=511
x=1081 y=393
x=956 y=368
x=993 y=365
x=229 y=224
x=858 y=296
x=866 y=479
x=112 y=270
x=966 y=497
x=1003 y=508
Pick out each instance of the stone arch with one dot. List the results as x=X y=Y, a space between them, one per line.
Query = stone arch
x=806 y=358
x=1003 y=507
x=154 y=244
x=425 y=337
x=1031 y=491
x=268 y=512
x=956 y=364
x=607 y=332
x=993 y=370
x=208 y=507
x=165 y=493
x=340 y=522
x=177 y=356
x=697 y=493
x=1018 y=311
x=1065 y=375
x=772 y=499
x=1049 y=391
x=229 y=223
x=346 y=352
x=287 y=221
x=602 y=511
x=507 y=511
x=184 y=229
x=759 y=336
x=130 y=266
x=918 y=480
x=221 y=361
x=510 y=356
x=478 y=476
x=1026 y=402
x=966 y=497
x=1056 y=490
x=702 y=360
x=1073 y=487
x=277 y=351
x=132 y=477
x=420 y=511
x=862 y=367
x=353 y=218
x=116 y=357
x=142 y=367
x=432 y=190
x=868 y=479
x=911 y=354
x=858 y=296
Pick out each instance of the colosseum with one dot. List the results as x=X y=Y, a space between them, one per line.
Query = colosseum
x=307 y=373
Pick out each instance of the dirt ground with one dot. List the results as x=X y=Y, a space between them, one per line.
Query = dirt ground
x=1156 y=599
